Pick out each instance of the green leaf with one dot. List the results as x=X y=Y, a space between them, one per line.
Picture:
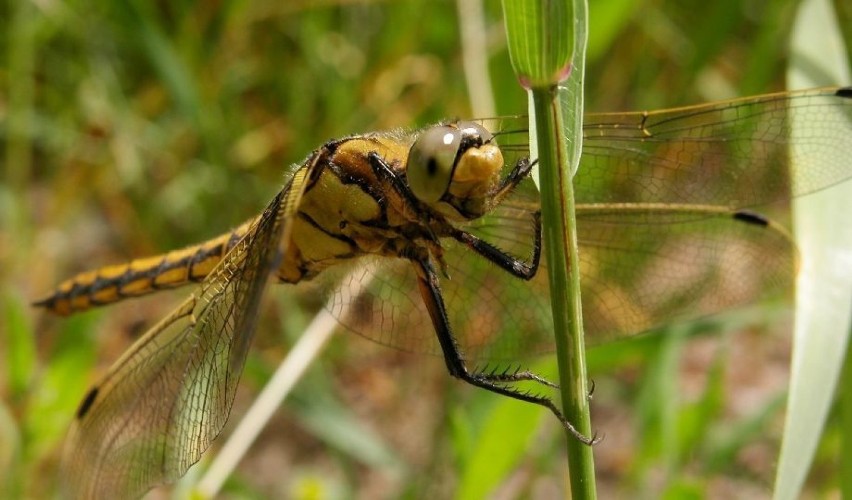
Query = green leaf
x=541 y=40
x=824 y=287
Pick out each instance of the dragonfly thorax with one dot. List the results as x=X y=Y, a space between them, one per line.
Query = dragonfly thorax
x=453 y=168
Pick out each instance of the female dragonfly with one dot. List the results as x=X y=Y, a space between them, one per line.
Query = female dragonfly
x=438 y=219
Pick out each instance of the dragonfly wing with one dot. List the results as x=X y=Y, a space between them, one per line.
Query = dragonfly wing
x=169 y=396
x=646 y=266
x=389 y=309
x=734 y=153
x=642 y=266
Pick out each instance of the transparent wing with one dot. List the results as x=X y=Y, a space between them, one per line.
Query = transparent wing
x=640 y=269
x=733 y=153
x=643 y=266
x=659 y=242
x=169 y=396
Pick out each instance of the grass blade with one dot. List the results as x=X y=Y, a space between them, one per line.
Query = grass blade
x=824 y=287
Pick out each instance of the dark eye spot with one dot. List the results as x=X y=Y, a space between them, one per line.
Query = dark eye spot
x=431 y=166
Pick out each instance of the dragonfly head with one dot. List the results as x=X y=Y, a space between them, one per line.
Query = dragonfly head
x=454 y=167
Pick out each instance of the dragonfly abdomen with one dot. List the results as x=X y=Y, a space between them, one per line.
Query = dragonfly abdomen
x=140 y=276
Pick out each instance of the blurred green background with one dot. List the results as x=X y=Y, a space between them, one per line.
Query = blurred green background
x=132 y=128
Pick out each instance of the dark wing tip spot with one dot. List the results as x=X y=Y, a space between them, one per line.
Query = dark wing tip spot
x=87 y=403
x=844 y=92
x=751 y=218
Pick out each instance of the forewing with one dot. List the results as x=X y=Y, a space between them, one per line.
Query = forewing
x=644 y=267
x=169 y=395
x=641 y=267
x=734 y=153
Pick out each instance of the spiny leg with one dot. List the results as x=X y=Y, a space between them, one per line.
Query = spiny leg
x=515 y=267
x=384 y=172
x=509 y=375
x=510 y=264
x=427 y=281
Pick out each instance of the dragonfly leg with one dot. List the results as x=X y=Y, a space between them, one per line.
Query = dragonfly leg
x=508 y=375
x=510 y=264
x=427 y=280
x=520 y=172
x=384 y=172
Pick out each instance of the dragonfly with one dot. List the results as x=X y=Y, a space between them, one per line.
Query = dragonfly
x=444 y=225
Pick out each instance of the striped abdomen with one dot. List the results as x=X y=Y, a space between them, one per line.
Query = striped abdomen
x=141 y=276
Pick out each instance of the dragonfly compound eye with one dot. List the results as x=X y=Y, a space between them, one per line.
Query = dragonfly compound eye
x=431 y=162
x=458 y=159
